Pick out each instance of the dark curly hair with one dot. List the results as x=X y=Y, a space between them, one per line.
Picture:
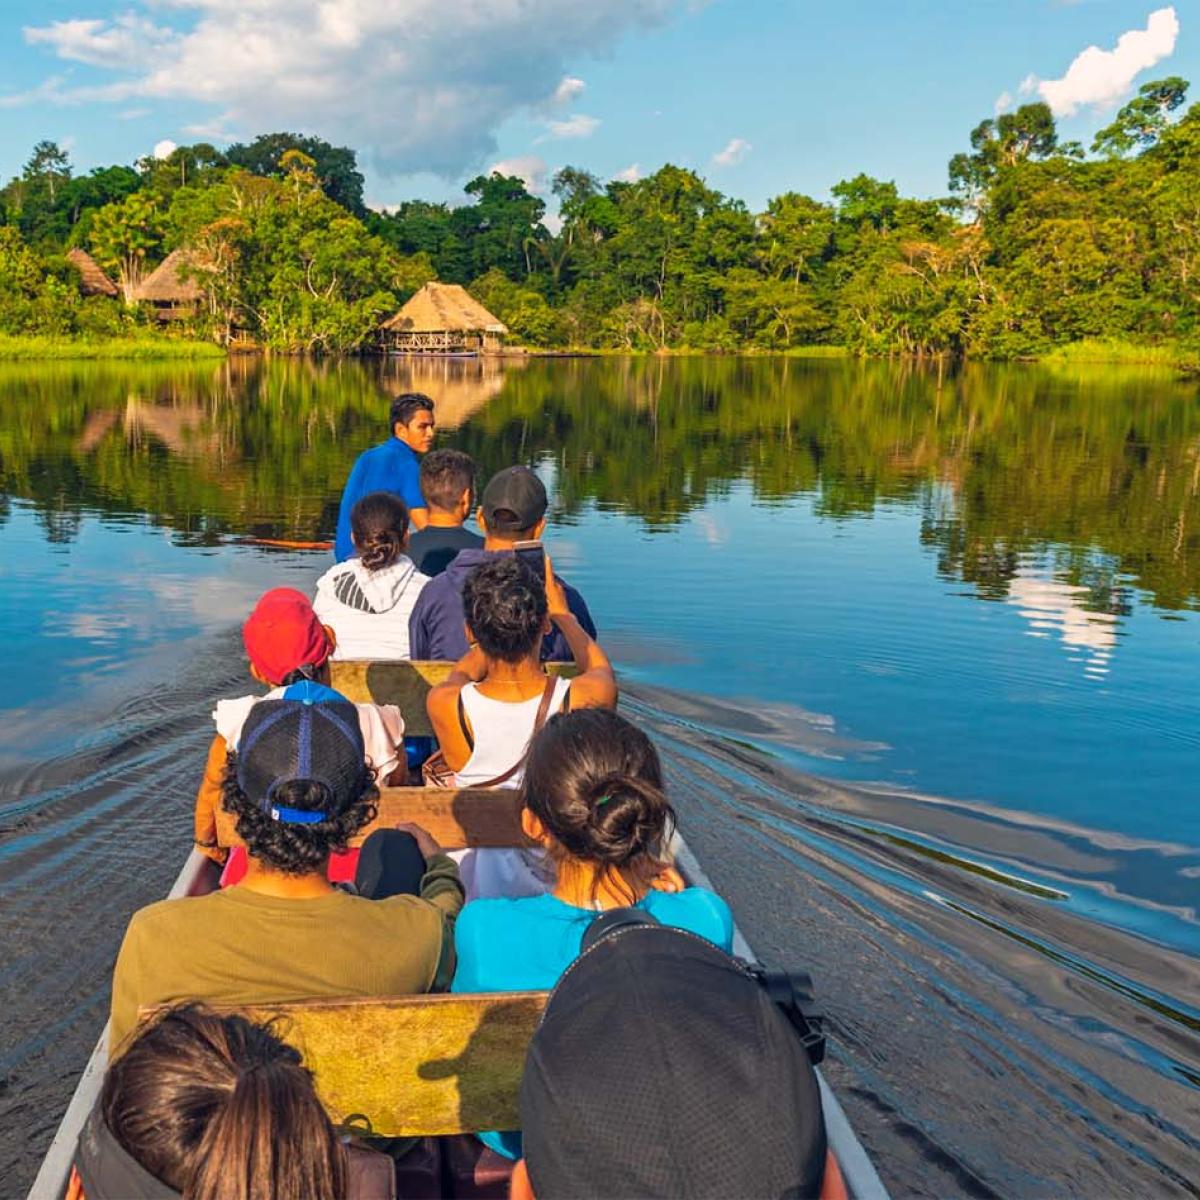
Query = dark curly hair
x=595 y=782
x=220 y=1108
x=378 y=523
x=504 y=605
x=296 y=849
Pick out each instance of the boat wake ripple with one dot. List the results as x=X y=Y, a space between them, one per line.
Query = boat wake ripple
x=1002 y=1025
x=86 y=838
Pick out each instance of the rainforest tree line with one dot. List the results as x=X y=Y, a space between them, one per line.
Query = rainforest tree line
x=1039 y=242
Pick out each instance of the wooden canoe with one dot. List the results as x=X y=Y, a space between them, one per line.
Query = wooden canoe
x=453 y=1063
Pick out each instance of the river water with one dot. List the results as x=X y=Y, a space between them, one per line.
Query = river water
x=921 y=651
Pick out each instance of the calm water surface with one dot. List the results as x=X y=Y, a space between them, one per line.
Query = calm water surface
x=922 y=654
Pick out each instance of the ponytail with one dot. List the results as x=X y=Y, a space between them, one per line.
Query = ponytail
x=267 y=1138
x=219 y=1108
x=307 y=672
x=595 y=783
x=378 y=525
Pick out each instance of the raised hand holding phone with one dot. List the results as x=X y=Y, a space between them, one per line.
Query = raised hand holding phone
x=556 y=596
x=533 y=555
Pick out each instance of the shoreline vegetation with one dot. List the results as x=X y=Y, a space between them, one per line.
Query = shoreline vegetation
x=1117 y=352
x=153 y=347
x=44 y=349
x=1040 y=250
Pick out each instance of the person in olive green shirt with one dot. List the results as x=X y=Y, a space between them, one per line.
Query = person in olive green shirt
x=299 y=790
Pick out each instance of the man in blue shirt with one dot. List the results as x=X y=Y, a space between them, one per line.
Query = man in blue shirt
x=392 y=467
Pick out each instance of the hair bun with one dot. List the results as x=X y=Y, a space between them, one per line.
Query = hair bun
x=613 y=781
x=595 y=783
x=610 y=788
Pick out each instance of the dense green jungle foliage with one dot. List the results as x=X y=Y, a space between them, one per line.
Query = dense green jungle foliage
x=1098 y=466
x=1037 y=245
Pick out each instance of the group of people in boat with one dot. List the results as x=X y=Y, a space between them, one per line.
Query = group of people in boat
x=660 y=1067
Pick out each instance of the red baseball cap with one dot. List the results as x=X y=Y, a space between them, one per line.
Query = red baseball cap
x=283 y=634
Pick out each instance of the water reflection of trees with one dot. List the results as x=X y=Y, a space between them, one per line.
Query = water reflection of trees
x=1101 y=470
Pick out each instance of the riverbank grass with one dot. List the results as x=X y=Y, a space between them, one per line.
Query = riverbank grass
x=13 y=349
x=1120 y=352
x=818 y=352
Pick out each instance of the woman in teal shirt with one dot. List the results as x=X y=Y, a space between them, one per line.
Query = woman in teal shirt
x=593 y=797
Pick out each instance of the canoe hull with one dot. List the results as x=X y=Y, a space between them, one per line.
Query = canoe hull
x=199 y=876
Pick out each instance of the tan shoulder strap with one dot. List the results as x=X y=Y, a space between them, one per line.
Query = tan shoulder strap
x=544 y=708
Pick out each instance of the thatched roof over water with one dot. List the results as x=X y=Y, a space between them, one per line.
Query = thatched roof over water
x=444 y=308
x=92 y=279
x=165 y=284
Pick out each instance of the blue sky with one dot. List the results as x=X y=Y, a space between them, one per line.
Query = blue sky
x=759 y=97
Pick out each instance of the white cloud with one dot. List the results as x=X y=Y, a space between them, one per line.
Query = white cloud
x=629 y=174
x=132 y=114
x=1004 y=102
x=527 y=167
x=417 y=85
x=569 y=88
x=164 y=149
x=1028 y=85
x=735 y=150
x=215 y=130
x=576 y=126
x=124 y=43
x=1102 y=77
x=48 y=91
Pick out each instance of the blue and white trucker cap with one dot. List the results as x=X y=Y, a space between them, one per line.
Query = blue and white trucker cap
x=310 y=734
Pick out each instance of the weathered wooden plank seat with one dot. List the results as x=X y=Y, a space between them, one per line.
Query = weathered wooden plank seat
x=405 y=684
x=413 y=1066
x=458 y=818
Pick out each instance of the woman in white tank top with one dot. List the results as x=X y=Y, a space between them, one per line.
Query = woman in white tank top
x=498 y=696
x=495 y=727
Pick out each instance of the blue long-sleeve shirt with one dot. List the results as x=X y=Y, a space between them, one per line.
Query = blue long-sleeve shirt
x=391 y=467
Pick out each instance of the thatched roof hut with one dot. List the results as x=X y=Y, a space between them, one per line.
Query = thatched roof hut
x=443 y=317
x=167 y=289
x=92 y=279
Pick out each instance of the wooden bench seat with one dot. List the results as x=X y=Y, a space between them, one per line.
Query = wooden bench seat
x=405 y=684
x=458 y=818
x=412 y=1066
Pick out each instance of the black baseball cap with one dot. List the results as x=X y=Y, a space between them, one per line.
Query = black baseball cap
x=661 y=1068
x=313 y=735
x=514 y=500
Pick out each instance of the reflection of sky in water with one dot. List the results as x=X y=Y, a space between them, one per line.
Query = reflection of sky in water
x=1055 y=609
x=928 y=686
x=86 y=608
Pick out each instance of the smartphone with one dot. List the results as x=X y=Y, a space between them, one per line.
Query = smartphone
x=533 y=556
